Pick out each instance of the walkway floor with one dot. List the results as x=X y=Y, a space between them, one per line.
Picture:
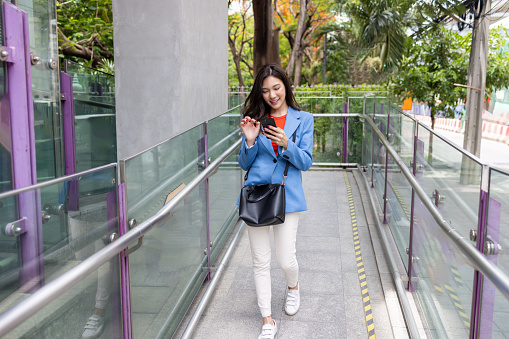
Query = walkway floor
x=332 y=302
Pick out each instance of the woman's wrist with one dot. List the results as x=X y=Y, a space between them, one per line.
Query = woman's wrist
x=250 y=143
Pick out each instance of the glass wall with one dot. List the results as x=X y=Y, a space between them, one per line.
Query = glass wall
x=45 y=87
x=494 y=310
x=94 y=116
x=225 y=184
x=69 y=227
x=168 y=269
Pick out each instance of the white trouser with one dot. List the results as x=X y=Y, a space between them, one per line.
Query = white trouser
x=285 y=236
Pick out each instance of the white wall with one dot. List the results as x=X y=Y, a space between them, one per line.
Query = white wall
x=171 y=68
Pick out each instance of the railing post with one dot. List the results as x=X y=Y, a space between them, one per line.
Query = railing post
x=207 y=202
x=412 y=205
x=20 y=103
x=477 y=289
x=373 y=147
x=69 y=137
x=386 y=164
x=345 y=135
x=123 y=228
x=363 y=129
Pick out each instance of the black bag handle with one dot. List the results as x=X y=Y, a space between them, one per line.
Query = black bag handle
x=286 y=168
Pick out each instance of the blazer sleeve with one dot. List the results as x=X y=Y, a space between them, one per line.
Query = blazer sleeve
x=247 y=155
x=301 y=155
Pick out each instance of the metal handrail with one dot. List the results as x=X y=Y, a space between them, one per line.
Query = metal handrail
x=38 y=300
x=478 y=260
x=444 y=139
x=156 y=189
x=164 y=141
x=55 y=181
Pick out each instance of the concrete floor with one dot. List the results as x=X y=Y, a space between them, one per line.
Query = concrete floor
x=331 y=300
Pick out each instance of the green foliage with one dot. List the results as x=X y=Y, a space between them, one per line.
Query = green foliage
x=430 y=71
x=88 y=24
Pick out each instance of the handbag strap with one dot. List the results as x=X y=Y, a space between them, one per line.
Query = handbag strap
x=286 y=168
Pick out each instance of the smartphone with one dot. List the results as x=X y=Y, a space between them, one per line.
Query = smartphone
x=268 y=122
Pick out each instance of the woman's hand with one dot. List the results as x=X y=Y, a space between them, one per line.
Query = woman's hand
x=277 y=135
x=251 y=129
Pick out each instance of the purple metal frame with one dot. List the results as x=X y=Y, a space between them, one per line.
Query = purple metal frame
x=111 y=203
x=345 y=135
x=386 y=163
x=412 y=204
x=484 y=322
x=477 y=288
x=124 y=263
x=19 y=96
x=69 y=138
x=207 y=203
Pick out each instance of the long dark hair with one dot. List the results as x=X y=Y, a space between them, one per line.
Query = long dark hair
x=255 y=107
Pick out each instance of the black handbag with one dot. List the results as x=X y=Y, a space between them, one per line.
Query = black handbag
x=263 y=205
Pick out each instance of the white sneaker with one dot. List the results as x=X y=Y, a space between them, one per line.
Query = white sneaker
x=268 y=331
x=94 y=327
x=292 y=303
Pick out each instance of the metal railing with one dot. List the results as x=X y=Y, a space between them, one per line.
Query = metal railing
x=35 y=302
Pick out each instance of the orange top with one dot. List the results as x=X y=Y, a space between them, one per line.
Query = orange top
x=280 y=122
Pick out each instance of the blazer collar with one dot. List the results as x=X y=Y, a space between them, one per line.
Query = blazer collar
x=291 y=124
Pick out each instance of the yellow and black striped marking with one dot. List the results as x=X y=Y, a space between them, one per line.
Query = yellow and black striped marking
x=458 y=306
x=149 y=212
x=401 y=202
x=456 y=275
x=368 y=313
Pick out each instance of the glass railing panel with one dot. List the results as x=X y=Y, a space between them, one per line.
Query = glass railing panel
x=328 y=139
x=378 y=169
x=367 y=148
x=170 y=267
x=370 y=106
x=68 y=228
x=316 y=105
x=222 y=132
x=399 y=191
x=68 y=314
x=454 y=187
x=444 y=296
x=494 y=307
x=45 y=88
x=355 y=105
x=355 y=126
x=224 y=186
x=224 y=189
x=155 y=176
x=94 y=116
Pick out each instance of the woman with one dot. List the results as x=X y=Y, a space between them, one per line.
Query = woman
x=265 y=152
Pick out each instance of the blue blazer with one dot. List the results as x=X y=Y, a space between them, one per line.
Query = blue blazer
x=265 y=167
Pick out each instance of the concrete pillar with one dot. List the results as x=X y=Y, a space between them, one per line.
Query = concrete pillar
x=171 y=68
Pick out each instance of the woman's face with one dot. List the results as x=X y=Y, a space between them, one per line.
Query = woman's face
x=274 y=93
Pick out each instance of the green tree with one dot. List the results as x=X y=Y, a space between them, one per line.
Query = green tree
x=380 y=27
x=431 y=72
x=240 y=42
x=85 y=30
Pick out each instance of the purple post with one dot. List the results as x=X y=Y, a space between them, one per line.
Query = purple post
x=111 y=205
x=345 y=135
x=19 y=96
x=124 y=263
x=386 y=165
x=485 y=323
x=417 y=236
x=69 y=138
x=207 y=203
x=410 y=240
